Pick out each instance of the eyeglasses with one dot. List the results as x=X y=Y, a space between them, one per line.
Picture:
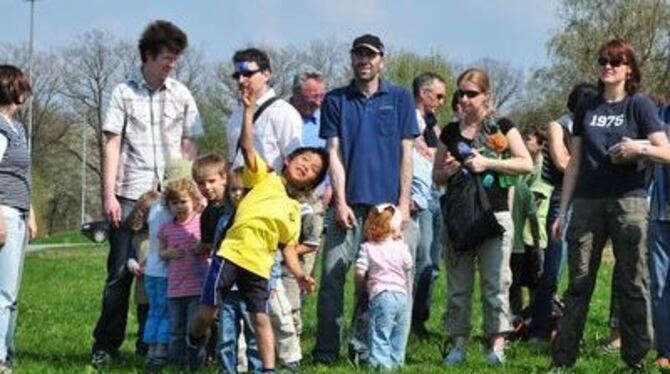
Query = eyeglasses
x=245 y=73
x=468 y=93
x=615 y=62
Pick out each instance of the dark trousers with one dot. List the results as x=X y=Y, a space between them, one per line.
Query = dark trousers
x=543 y=298
x=111 y=327
x=593 y=221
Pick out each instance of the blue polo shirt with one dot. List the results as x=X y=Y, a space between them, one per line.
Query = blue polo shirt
x=370 y=131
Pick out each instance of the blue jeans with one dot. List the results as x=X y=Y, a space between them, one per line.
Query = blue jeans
x=157 y=329
x=659 y=247
x=543 y=300
x=232 y=311
x=339 y=252
x=427 y=261
x=12 y=254
x=110 y=329
x=388 y=329
x=182 y=311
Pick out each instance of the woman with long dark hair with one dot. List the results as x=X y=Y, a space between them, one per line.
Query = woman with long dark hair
x=605 y=183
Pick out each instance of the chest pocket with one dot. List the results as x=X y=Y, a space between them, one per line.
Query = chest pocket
x=386 y=120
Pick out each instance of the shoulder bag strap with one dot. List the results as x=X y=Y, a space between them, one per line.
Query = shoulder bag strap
x=257 y=114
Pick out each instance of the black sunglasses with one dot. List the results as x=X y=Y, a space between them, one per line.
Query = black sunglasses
x=246 y=73
x=614 y=62
x=469 y=94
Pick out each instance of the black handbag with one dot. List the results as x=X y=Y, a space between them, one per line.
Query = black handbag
x=467 y=213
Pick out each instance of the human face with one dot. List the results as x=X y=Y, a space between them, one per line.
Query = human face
x=158 y=68
x=235 y=189
x=533 y=145
x=433 y=96
x=302 y=170
x=471 y=99
x=212 y=184
x=250 y=77
x=366 y=64
x=183 y=207
x=310 y=97
x=613 y=70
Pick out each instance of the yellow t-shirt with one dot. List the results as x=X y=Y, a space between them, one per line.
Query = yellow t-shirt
x=265 y=218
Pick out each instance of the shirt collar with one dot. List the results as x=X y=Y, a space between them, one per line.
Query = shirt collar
x=383 y=87
x=313 y=118
x=137 y=78
x=270 y=93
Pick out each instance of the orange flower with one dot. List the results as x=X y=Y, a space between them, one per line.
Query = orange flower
x=497 y=142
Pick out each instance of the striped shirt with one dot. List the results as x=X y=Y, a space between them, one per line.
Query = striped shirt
x=550 y=172
x=186 y=274
x=152 y=124
x=14 y=166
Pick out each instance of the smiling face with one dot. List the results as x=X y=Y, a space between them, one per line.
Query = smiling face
x=211 y=183
x=614 y=70
x=472 y=100
x=249 y=76
x=302 y=170
x=366 y=64
x=310 y=97
x=159 y=67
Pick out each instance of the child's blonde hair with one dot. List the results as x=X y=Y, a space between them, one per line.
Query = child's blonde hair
x=382 y=222
x=174 y=189
x=137 y=219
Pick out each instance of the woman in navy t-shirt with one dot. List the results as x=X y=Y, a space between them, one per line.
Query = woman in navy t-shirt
x=606 y=185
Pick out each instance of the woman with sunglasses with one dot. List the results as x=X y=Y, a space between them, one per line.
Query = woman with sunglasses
x=497 y=151
x=605 y=183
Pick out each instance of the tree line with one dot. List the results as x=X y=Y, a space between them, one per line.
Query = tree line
x=72 y=85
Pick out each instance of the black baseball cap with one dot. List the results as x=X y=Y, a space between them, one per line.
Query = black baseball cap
x=370 y=42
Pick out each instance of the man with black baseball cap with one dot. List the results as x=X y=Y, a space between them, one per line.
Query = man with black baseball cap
x=369 y=126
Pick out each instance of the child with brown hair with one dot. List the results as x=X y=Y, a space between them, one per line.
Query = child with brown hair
x=187 y=265
x=138 y=222
x=383 y=267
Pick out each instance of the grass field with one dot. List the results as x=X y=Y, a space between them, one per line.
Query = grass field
x=60 y=301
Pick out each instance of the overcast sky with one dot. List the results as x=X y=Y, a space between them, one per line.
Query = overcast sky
x=465 y=30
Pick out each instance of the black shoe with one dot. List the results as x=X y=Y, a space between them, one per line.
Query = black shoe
x=100 y=359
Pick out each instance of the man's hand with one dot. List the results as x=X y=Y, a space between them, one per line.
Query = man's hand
x=345 y=215
x=307 y=283
x=248 y=100
x=112 y=210
x=449 y=164
x=404 y=211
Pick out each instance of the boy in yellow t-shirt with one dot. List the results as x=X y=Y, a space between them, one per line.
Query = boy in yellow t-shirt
x=266 y=219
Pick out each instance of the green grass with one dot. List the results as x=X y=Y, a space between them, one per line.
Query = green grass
x=66 y=237
x=60 y=302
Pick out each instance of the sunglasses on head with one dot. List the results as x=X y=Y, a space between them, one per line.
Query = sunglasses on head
x=613 y=62
x=244 y=73
x=468 y=93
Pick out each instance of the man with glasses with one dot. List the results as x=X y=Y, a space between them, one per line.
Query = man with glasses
x=369 y=126
x=278 y=127
x=424 y=234
x=150 y=119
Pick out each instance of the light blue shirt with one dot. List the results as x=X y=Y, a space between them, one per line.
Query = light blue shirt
x=310 y=131
x=422 y=180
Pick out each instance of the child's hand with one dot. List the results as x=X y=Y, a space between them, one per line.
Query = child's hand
x=174 y=253
x=134 y=267
x=202 y=248
x=307 y=284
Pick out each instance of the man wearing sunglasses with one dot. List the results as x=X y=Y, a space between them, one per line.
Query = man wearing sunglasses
x=369 y=126
x=423 y=237
x=278 y=127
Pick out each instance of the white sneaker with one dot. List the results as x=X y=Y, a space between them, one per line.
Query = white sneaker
x=496 y=356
